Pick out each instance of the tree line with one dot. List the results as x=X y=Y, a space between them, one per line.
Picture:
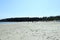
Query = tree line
x=23 y=19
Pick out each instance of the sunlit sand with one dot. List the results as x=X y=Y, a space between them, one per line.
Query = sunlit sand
x=30 y=31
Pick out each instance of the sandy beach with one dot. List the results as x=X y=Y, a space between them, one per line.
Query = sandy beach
x=30 y=31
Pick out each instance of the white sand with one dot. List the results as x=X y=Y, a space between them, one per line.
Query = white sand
x=30 y=31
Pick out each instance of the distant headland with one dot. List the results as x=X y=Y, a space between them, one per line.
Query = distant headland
x=28 y=19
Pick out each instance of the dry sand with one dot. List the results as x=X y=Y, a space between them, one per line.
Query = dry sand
x=30 y=31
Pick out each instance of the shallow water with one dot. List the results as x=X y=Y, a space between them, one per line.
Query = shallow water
x=7 y=22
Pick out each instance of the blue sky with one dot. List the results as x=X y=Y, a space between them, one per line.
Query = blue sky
x=29 y=8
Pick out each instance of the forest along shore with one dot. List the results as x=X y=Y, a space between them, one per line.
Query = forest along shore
x=31 y=19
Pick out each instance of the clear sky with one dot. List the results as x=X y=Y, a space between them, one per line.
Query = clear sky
x=29 y=8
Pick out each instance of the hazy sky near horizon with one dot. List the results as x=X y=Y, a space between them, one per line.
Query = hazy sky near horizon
x=29 y=8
